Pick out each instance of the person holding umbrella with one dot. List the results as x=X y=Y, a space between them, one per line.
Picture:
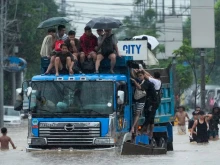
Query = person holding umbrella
x=107 y=48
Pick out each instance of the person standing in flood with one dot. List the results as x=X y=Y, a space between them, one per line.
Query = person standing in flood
x=190 y=125
x=181 y=116
x=214 y=120
x=5 y=140
x=202 y=127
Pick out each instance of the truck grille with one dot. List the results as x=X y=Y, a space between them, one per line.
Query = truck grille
x=69 y=133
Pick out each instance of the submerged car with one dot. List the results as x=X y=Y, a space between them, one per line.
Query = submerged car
x=11 y=116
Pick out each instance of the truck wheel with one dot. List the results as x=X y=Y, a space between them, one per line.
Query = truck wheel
x=153 y=142
x=162 y=143
x=170 y=146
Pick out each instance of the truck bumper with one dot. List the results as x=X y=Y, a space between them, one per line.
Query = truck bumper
x=29 y=149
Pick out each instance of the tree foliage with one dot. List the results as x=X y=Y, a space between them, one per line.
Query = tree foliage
x=185 y=67
x=29 y=14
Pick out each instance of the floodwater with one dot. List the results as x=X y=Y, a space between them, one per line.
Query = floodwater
x=184 y=153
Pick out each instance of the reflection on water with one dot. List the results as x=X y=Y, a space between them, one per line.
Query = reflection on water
x=185 y=153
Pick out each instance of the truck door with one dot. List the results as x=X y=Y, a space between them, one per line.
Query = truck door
x=122 y=108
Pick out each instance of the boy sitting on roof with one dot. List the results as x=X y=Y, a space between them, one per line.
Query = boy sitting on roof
x=64 y=59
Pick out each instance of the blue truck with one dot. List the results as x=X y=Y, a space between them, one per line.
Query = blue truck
x=91 y=111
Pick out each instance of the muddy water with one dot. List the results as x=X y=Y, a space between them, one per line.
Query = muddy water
x=185 y=153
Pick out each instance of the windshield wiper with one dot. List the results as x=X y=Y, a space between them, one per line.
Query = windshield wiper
x=58 y=114
x=45 y=110
x=91 y=110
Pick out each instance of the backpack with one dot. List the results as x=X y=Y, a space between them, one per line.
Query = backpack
x=57 y=45
x=154 y=95
x=107 y=46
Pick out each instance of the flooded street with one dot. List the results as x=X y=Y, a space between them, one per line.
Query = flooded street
x=184 y=153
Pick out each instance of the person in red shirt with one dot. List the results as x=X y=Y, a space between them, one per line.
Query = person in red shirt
x=88 y=42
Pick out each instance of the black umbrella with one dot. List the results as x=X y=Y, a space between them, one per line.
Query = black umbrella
x=104 y=23
x=53 y=22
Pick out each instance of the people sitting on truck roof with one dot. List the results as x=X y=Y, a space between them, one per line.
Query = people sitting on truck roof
x=88 y=42
x=64 y=59
x=100 y=33
x=60 y=38
x=48 y=43
x=61 y=33
x=107 y=48
x=48 y=46
x=73 y=44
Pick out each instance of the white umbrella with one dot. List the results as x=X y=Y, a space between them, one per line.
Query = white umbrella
x=152 y=40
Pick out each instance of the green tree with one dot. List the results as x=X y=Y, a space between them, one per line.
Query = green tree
x=30 y=14
x=27 y=14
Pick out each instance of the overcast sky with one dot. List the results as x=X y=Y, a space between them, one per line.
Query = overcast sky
x=82 y=11
x=89 y=9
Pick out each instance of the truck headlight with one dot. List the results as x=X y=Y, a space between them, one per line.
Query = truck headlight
x=104 y=141
x=37 y=141
x=101 y=141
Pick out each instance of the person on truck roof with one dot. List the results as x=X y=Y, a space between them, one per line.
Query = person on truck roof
x=64 y=59
x=88 y=42
x=60 y=38
x=107 y=48
x=48 y=43
x=61 y=33
x=73 y=44
x=48 y=46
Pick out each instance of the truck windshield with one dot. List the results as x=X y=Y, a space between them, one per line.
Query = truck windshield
x=78 y=97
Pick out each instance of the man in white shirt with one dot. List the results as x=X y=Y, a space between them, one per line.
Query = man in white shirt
x=61 y=33
x=155 y=80
x=48 y=43
x=150 y=105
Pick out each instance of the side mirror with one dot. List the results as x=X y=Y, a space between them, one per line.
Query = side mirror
x=120 y=98
x=29 y=91
x=19 y=100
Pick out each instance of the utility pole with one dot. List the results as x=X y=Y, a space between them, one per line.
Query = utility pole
x=173 y=7
x=156 y=10
x=63 y=7
x=1 y=65
x=163 y=9
x=174 y=82
x=202 y=88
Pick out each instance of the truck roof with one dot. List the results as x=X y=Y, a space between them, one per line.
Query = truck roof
x=81 y=77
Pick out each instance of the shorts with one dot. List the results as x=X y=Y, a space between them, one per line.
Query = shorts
x=181 y=129
x=213 y=133
x=150 y=112
x=139 y=107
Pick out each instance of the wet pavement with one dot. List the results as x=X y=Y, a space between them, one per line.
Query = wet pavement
x=184 y=153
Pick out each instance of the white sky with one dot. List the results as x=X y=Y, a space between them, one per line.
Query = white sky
x=88 y=9
x=119 y=9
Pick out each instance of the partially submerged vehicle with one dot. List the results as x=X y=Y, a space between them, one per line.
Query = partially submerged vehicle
x=11 y=116
x=94 y=111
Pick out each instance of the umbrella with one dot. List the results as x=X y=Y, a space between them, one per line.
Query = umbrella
x=104 y=23
x=53 y=22
x=152 y=40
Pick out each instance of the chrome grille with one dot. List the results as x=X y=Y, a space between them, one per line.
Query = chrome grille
x=69 y=133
